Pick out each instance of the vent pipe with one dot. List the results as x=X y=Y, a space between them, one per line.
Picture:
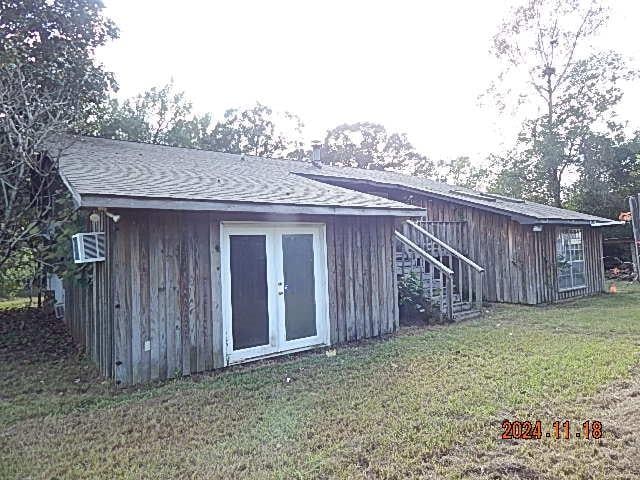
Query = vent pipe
x=316 y=154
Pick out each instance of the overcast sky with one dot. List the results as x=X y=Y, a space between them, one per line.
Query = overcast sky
x=414 y=66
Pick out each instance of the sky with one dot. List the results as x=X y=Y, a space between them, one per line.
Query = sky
x=416 y=67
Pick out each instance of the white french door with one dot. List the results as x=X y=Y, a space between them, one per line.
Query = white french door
x=274 y=288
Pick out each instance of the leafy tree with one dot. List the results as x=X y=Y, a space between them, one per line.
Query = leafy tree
x=18 y=272
x=574 y=89
x=371 y=146
x=52 y=44
x=49 y=85
x=517 y=175
x=461 y=172
x=257 y=131
x=609 y=175
x=159 y=115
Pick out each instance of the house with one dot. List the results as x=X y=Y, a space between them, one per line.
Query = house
x=532 y=253
x=210 y=259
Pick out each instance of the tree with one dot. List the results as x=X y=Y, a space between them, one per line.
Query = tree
x=53 y=44
x=574 y=88
x=49 y=85
x=257 y=131
x=609 y=175
x=159 y=115
x=519 y=176
x=461 y=172
x=369 y=145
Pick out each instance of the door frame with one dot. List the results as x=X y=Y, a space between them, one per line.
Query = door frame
x=277 y=335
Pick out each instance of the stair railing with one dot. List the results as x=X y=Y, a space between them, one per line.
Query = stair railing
x=446 y=290
x=467 y=277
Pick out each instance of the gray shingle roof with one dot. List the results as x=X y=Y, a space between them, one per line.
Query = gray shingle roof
x=518 y=209
x=95 y=167
x=101 y=169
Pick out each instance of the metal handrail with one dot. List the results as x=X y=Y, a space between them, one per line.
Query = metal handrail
x=431 y=259
x=450 y=249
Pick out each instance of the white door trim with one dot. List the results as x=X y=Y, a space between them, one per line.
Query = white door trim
x=277 y=339
x=231 y=356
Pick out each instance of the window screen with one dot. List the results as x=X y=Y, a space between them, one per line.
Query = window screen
x=570 y=259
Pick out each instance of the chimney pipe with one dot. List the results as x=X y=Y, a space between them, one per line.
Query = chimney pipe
x=316 y=153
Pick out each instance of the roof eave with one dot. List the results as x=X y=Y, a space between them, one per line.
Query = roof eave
x=518 y=217
x=567 y=221
x=77 y=200
x=420 y=191
x=104 y=201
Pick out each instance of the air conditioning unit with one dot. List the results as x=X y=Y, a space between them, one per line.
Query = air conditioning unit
x=88 y=247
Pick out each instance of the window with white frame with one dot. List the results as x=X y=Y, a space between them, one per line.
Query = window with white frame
x=570 y=257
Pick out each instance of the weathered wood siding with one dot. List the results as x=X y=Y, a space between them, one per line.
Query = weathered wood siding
x=87 y=308
x=162 y=294
x=161 y=284
x=520 y=264
x=453 y=232
x=363 y=291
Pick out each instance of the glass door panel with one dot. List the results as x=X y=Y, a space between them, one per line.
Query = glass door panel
x=249 y=290
x=299 y=286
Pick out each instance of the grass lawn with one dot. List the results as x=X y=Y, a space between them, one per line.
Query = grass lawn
x=427 y=403
x=19 y=302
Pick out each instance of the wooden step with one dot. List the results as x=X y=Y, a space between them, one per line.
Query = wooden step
x=466 y=315
x=460 y=307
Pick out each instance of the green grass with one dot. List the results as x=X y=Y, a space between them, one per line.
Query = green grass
x=381 y=409
x=19 y=302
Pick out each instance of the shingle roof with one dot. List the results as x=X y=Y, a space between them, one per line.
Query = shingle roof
x=101 y=168
x=99 y=171
x=520 y=210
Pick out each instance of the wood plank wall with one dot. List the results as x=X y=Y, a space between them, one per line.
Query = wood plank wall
x=161 y=284
x=87 y=307
x=453 y=233
x=520 y=264
x=488 y=240
x=363 y=291
x=162 y=295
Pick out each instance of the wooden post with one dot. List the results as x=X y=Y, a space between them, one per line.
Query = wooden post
x=460 y=290
x=479 y=276
x=450 y=297
x=634 y=206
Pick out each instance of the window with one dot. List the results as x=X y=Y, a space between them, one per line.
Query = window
x=570 y=257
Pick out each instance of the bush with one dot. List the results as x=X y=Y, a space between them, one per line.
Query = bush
x=411 y=297
x=16 y=276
